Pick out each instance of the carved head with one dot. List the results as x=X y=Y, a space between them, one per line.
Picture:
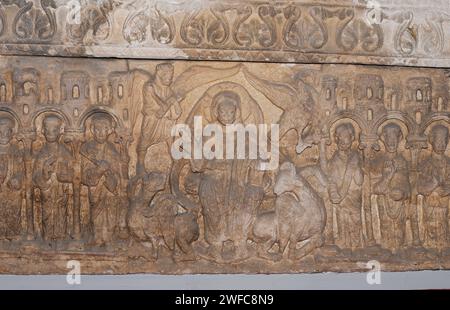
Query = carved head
x=101 y=127
x=227 y=104
x=164 y=73
x=6 y=129
x=286 y=180
x=439 y=139
x=344 y=135
x=391 y=136
x=52 y=128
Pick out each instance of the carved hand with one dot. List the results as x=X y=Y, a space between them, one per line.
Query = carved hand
x=49 y=167
x=333 y=193
x=104 y=166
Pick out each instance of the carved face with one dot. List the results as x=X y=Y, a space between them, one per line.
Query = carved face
x=392 y=135
x=6 y=131
x=344 y=136
x=439 y=139
x=226 y=111
x=52 y=129
x=101 y=129
x=165 y=74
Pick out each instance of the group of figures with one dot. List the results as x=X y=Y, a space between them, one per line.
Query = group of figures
x=53 y=175
x=368 y=190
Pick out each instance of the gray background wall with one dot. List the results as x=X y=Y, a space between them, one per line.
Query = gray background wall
x=389 y=280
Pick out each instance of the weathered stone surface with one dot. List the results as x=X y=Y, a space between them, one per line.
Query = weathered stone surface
x=413 y=32
x=88 y=172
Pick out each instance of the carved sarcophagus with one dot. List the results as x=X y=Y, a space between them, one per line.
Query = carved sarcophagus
x=181 y=166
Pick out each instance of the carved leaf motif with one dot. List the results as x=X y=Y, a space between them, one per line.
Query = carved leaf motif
x=46 y=25
x=267 y=35
x=405 y=40
x=347 y=39
x=96 y=19
x=318 y=35
x=219 y=31
x=210 y=25
x=261 y=30
x=356 y=33
x=433 y=41
x=23 y=24
x=311 y=28
x=242 y=38
x=163 y=28
x=291 y=35
x=193 y=28
x=135 y=27
x=35 y=22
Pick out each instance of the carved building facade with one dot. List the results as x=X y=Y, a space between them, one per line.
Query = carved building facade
x=87 y=169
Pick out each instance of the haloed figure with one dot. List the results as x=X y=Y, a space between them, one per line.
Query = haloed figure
x=434 y=185
x=228 y=190
x=101 y=174
x=391 y=184
x=345 y=177
x=53 y=176
x=12 y=172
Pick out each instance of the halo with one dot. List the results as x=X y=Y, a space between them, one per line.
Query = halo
x=10 y=116
x=215 y=104
x=401 y=124
x=434 y=123
x=342 y=121
x=248 y=109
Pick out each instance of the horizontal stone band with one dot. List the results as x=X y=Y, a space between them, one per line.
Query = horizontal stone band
x=368 y=32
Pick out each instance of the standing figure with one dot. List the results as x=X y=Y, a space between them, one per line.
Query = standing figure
x=160 y=110
x=12 y=173
x=53 y=176
x=391 y=185
x=434 y=184
x=100 y=172
x=345 y=179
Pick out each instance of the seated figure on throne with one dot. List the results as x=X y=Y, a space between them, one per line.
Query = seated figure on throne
x=230 y=189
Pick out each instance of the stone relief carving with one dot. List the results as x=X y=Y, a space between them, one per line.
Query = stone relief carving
x=292 y=31
x=87 y=169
